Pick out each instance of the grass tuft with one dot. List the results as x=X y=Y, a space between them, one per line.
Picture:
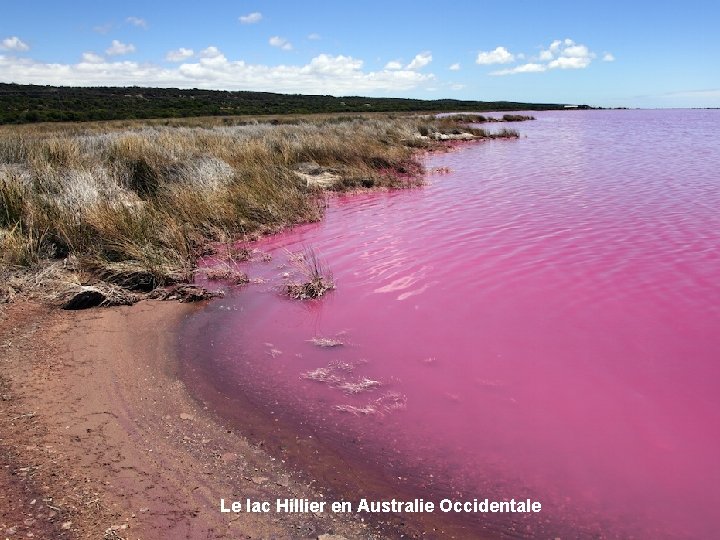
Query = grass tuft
x=316 y=278
x=228 y=274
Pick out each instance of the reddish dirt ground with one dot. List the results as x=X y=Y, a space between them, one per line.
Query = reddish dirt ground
x=99 y=438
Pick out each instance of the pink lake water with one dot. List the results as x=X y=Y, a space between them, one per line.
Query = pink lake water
x=542 y=321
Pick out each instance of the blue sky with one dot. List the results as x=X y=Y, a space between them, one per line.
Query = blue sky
x=638 y=54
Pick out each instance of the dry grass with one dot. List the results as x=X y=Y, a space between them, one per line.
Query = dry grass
x=316 y=278
x=226 y=273
x=326 y=342
x=337 y=377
x=361 y=385
x=136 y=203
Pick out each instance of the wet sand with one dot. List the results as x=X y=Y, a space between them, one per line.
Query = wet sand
x=100 y=439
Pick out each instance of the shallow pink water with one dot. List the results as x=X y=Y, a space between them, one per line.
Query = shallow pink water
x=544 y=321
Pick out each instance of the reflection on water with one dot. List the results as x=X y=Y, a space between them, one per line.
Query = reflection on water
x=541 y=321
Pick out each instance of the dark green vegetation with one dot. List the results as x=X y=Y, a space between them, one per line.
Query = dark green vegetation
x=31 y=103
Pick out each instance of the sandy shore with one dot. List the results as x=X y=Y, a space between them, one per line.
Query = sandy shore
x=100 y=439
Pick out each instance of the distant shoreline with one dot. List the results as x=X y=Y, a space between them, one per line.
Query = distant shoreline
x=25 y=103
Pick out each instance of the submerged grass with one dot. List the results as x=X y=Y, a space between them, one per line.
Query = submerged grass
x=134 y=204
x=326 y=342
x=316 y=278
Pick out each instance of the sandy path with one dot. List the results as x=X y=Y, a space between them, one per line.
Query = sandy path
x=99 y=439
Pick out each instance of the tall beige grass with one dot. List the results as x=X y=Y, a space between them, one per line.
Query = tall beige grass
x=145 y=198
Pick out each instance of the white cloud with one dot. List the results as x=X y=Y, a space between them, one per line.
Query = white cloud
x=393 y=64
x=118 y=47
x=608 y=57
x=454 y=67
x=530 y=68
x=546 y=56
x=326 y=74
x=178 y=55
x=211 y=57
x=560 y=54
x=457 y=86
x=281 y=43
x=329 y=65
x=314 y=36
x=421 y=60
x=550 y=53
x=576 y=51
x=555 y=46
x=524 y=68
x=137 y=21
x=92 y=58
x=251 y=18
x=498 y=56
x=211 y=52
x=573 y=62
x=14 y=43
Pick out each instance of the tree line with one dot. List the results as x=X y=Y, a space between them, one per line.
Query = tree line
x=21 y=104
